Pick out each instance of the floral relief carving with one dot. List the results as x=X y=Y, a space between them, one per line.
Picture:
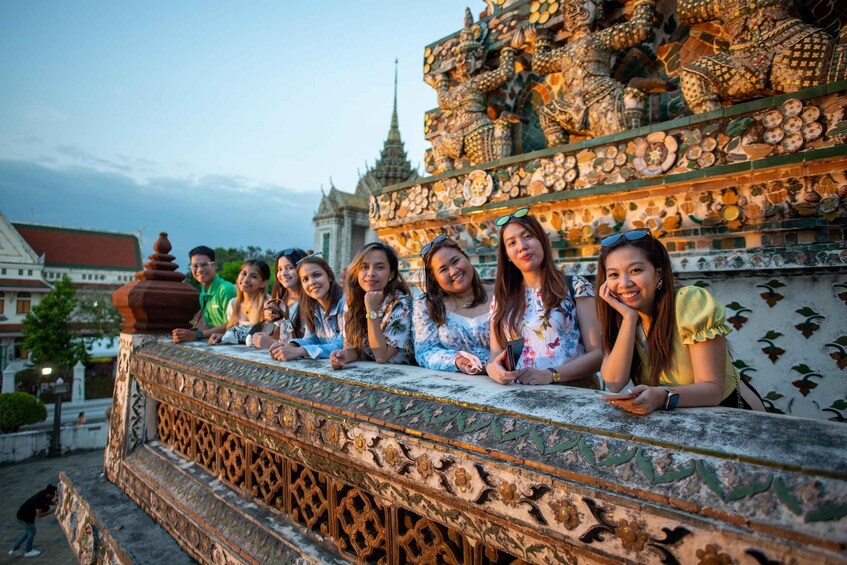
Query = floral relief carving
x=391 y=455
x=631 y=535
x=566 y=513
x=463 y=479
x=655 y=154
x=508 y=494
x=711 y=555
x=424 y=465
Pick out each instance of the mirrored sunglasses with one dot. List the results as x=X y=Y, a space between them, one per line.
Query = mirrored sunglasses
x=630 y=236
x=435 y=241
x=318 y=254
x=519 y=213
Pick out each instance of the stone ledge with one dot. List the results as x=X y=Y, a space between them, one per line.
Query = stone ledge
x=103 y=525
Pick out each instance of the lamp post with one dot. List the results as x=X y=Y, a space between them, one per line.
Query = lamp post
x=60 y=387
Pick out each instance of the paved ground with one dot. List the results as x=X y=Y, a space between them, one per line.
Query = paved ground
x=20 y=481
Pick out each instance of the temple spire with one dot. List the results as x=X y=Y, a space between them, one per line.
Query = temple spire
x=394 y=132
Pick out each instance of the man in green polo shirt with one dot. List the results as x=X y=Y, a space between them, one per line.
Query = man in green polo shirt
x=214 y=296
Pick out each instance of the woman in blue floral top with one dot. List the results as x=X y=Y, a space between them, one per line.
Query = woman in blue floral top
x=378 y=314
x=452 y=317
x=321 y=310
x=533 y=300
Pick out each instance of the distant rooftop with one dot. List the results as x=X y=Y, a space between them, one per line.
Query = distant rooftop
x=73 y=247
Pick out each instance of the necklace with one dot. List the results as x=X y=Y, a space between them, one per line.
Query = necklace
x=457 y=304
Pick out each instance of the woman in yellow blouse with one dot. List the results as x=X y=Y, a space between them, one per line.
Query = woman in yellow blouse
x=669 y=342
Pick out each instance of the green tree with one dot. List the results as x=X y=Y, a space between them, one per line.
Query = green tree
x=96 y=317
x=49 y=333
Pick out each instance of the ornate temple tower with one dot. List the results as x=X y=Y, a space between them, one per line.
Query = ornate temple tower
x=341 y=223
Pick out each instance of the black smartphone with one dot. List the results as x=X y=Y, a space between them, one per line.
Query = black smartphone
x=514 y=348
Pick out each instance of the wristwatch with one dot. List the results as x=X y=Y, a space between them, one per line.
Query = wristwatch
x=557 y=378
x=671 y=399
x=372 y=314
x=199 y=334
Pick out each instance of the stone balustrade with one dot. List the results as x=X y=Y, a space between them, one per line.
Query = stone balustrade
x=243 y=459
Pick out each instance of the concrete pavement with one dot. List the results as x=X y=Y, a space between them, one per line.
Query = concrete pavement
x=22 y=480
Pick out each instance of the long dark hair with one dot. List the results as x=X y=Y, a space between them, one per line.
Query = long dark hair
x=663 y=326
x=240 y=297
x=435 y=294
x=308 y=305
x=279 y=292
x=355 y=326
x=509 y=285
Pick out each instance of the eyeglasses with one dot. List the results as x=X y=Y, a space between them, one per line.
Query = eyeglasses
x=519 y=213
x=630 y=236
x=318 y=254
x=435 y=241
x=199 y=266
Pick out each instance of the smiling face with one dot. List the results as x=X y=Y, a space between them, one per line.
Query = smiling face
x=452 y=270
x=375 y=271
x=286 y=274
x=250 y=280
x=203 y=269
x=314 y=281
x=632 y=278
x=522 y=247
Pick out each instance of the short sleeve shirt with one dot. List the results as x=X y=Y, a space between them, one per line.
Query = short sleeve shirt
x=26 y=513
x=214 y=301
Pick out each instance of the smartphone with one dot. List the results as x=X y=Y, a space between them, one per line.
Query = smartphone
x=616 y=396
x=514 y=348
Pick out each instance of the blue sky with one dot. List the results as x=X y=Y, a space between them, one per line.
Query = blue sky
x=217 y=122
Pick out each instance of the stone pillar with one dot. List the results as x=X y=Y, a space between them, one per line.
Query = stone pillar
x=78 y=391
x=8 y=379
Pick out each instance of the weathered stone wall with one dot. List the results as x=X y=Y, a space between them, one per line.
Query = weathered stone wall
x=253 y=459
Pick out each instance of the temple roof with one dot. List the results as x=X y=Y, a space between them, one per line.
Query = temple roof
x=68 y=247
x=393 y=166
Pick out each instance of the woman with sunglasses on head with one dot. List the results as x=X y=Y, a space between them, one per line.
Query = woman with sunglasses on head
x=377 y=319
x=669 y=341
x=451 y=318
x=283 y=308
x=321 y=310
x=534 y=301
x=244 y=312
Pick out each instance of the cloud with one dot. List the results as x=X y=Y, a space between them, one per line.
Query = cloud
x=83 y=157
x=214 y=210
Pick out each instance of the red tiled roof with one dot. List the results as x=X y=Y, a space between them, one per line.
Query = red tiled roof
x=82 y=248
x=22 y=284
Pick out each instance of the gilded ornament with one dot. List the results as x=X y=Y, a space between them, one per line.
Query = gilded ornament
x=391 y=455
x=566 y=514
x=710 y=555
x=508 y=494
x=424 y=466
x=463 y=479
x=631 y=535
x=333 y=434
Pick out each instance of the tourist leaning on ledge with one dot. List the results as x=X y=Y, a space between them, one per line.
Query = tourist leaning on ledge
x=245 y=312
x=321 y=309
x=653 y=333
x=283 y=308
x=551 y=317
x=451 y=317
x=378 y=315
x=214 y=297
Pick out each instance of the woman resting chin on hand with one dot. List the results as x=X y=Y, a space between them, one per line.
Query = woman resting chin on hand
x=669 y=342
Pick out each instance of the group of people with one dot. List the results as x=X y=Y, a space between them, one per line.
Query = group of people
x=535 y=326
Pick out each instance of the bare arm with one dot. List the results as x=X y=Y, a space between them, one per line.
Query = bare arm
x=617 y=362
x=587 y=364
x=497 y=355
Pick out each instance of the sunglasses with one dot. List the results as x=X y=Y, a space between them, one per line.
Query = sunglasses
x=286 y=253
x=318 y=254
x=630 y=236
x=435 y=241
x=519 y=213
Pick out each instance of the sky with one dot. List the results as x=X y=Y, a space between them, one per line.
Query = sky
x=216 y=122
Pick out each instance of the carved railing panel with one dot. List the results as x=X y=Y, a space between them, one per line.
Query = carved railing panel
x=363 y=459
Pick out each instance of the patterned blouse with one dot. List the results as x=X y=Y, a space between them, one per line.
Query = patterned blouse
x=395 y=313
x=436 y=346
x=328 y=335
x=551 y=341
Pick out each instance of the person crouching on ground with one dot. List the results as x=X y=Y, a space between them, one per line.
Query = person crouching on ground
x=36 y=506
x=378 y=317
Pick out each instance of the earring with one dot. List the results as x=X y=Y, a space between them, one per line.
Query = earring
x=659 y=286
